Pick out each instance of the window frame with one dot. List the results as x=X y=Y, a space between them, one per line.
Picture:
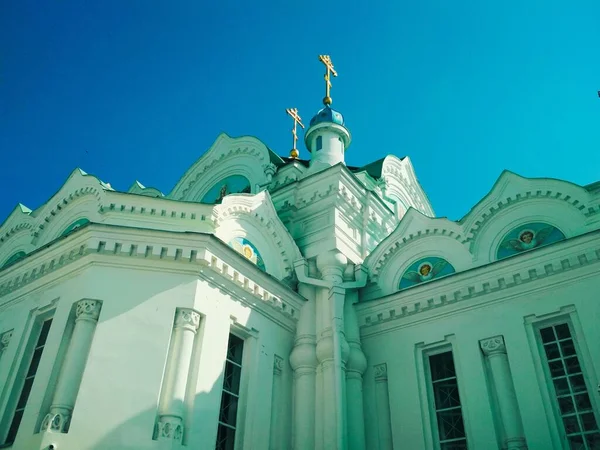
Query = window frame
x=242 y=389
x=566 y=315
x=17 y=380
x=428 y=411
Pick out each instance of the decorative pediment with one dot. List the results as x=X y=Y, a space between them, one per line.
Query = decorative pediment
x=15 y=233
x=79 y=198
x=244 y=157
x=253 y=218
x=415 y=226
x=515 y=200
x=402 y=186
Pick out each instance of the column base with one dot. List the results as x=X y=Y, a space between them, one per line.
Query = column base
x=57 y=420
x=169 y=428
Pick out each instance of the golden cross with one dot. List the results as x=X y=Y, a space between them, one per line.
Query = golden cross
x=293 y=112
x=325 y=59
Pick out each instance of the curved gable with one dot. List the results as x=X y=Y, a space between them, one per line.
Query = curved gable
x=401 y=185
x=253 y=218
x=243 y=157
x=515 y=201
x=416 y=237
x=81 y=197
x=16 y=233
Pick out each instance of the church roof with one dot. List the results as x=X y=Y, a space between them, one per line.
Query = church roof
x=373 y=169
x=327 y=114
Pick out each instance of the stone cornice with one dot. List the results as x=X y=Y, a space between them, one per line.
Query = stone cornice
x=152 y=250
x=479 y=286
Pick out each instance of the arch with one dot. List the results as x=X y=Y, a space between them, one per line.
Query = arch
x=424 y=270
x=246 y=156
x=253 y=218
x=556 y=213
x=13 y=259
x=527 y=237
x=247 y=249
x=75 y=225
x=232 y=184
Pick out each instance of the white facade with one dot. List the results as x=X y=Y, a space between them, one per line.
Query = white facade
x=344 y=290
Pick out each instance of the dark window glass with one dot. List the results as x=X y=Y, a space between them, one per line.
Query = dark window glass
x=231 y=394
x=319 y=143
x=446 y=399
x=578 y=420
x=28 y=382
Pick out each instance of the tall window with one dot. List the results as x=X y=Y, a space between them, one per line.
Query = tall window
x=571 y=393
x=231 y=394
x=446 y=402
x=319 y=143
x=28 y=382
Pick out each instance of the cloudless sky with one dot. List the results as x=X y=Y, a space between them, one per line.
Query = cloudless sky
x=132 y=90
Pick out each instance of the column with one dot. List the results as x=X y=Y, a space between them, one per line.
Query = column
x=69 y=379
x=355 y=368
x=303 y=360
x=382 y=401
x=275 y=441
x=171 y=406
x=494 y=350
x=332 y=352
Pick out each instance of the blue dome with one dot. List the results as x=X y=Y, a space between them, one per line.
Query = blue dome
x=327 y=115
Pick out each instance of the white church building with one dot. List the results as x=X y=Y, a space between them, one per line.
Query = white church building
x=271 y=303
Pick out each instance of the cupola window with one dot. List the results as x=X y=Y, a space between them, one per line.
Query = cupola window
x=319 y=143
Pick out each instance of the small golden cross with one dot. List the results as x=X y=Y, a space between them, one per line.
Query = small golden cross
x=293 y=112
x=325 y=59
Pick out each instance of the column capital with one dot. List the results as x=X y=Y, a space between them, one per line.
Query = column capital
x=169 y=428
x=277 y=365
x=380 y=372
x=57 y=420
x=5 y=339
x=493 y=345
x=88 y=309
x=187 y=318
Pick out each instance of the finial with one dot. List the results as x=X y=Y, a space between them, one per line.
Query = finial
x=293 y=112
x=325 y=59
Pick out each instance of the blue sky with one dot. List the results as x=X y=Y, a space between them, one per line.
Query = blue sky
x=139 y=90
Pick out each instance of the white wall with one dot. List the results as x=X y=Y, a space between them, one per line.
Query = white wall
x=117 y=400
x=465 y=323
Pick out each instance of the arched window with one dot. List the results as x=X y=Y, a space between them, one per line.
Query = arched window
x=14 y=258
x=527 y=237
x=233 y=184
x=319 y=143
x=75 y=225
x=425 y=269
x=246 y=248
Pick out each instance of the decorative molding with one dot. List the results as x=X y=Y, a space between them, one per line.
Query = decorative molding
x=5 y=340
x=493 y=345
x=169 y=428
x=187 y=318
x=380 y=372
x=88 y=309
x=57 y=420
x=530 y=188
x=94 y=241
x=277 y=365
x=460 y=286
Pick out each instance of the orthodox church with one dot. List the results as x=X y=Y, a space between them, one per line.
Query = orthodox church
x=272 y=302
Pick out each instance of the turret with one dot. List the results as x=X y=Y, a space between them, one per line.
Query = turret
x=327 y=138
